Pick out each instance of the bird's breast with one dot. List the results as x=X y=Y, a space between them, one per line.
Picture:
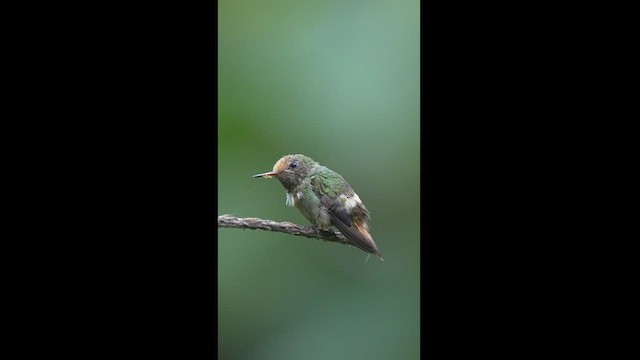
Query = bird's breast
x=309 y=206
x=293 y=197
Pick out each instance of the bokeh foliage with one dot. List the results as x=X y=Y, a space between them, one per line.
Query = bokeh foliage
x=337 y=81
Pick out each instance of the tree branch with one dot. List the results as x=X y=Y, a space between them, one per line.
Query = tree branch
x=228 y=221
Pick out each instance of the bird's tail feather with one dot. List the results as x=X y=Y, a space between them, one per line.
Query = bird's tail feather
x=357 y=236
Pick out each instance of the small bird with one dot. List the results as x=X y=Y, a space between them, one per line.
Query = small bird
x=324 y=198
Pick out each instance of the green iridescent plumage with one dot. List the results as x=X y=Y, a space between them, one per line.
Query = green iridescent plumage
x=324 y=198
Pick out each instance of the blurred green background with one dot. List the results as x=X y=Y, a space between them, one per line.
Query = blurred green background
x=337 y=81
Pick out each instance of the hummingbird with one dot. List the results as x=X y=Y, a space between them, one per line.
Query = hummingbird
x=324 y=198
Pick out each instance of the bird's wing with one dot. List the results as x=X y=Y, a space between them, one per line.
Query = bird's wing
x=342 y=217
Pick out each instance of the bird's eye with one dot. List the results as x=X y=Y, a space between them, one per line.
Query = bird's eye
x=293 y=164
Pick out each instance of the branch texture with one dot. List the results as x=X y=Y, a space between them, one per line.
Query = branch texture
x=228 y=221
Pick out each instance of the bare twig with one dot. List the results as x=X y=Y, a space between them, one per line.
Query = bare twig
x=228 y=221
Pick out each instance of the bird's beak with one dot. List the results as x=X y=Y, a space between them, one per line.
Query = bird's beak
x=267 y=174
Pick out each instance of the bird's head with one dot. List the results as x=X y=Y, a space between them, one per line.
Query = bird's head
x=291 y=170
